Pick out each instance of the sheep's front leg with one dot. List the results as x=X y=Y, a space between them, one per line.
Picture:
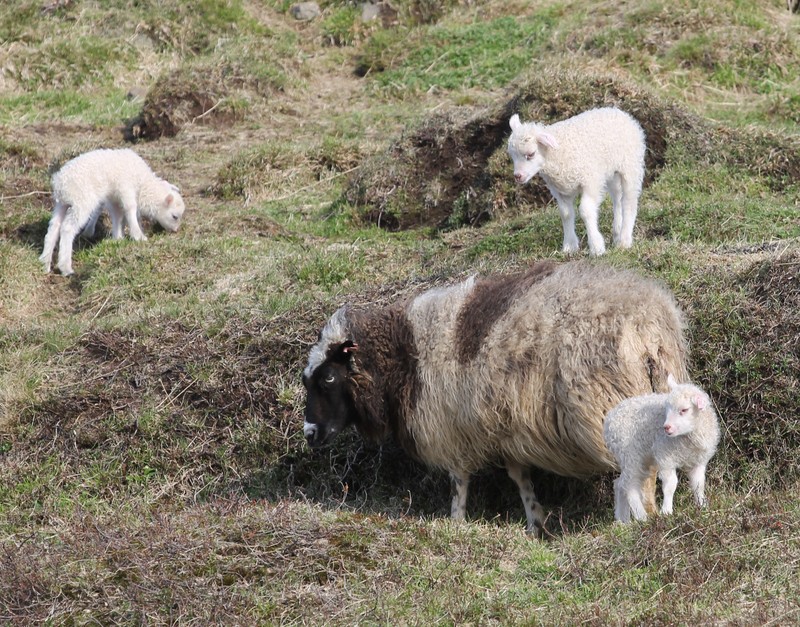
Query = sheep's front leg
x=130 y=211
x=566 y=207
x=459 y=482
x=669 y=481
x=533 y=510
x=590 y=209
x=697 y=481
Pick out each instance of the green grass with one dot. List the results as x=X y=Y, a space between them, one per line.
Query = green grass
x=152 y=463
x=483 y=55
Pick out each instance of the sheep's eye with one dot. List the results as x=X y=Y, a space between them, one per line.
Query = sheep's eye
x=330 y=379
x=530 y=155
x=684 y=411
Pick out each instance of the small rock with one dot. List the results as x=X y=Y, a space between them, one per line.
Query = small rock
x=305 y=11
x=136 y=93
x=369 y=11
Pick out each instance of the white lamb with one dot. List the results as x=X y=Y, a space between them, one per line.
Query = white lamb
x=589 y=154
x=660 y=432
x=119 y=181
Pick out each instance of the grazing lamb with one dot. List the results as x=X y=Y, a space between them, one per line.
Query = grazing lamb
x=662 y=431
x=597 y=151
x=117 y=180
x=517 y=369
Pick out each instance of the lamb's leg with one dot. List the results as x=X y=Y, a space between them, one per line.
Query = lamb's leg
x=630 y=207
x=615 y=191
x=459 y=482
x=53 y=232
x=669 y=481
x=130 y=211
x=622 y=510
x=88 y=230
x=69 y=231
x=566 y=207
x=533 y=510
x=631 y=487
x=589 y=209
x=117 y=220
x=697 y=481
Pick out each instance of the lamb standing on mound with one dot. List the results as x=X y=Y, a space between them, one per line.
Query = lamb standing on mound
x=597 y=151
x=117 y=180
x=665 y=431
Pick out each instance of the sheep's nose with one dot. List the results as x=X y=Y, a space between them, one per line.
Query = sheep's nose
x=311 y=431
x=518 y=176
x=669 y=429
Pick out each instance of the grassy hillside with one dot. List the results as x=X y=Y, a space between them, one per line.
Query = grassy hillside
x=152 y=464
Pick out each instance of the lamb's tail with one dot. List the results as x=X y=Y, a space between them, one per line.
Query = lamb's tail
x=53 y=233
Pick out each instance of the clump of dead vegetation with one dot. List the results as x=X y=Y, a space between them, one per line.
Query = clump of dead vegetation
x=214 y=94
x=453 y=169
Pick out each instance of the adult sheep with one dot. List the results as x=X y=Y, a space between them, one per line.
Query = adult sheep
x=586 y=155
x=517 y=369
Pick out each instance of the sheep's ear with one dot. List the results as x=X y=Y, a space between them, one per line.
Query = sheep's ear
x=344 y=352
x=546 y=139
x=514 y=122
x=671 y=382
x=700 y=401
x=169 y=199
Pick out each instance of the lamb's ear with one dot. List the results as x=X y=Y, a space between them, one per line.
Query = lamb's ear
x=546 y=139
x=169 y=199
x=514 y=122
x=671 y=382
x=700 y=401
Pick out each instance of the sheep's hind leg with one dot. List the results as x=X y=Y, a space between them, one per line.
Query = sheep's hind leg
x=459 y=482
x=622 y=511
x=615 y=191
x=533 y=510
x=630 y=207
x=53 y=232
x=69 y=231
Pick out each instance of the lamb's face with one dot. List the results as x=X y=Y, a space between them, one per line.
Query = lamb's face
x=683 y=406
x=526 y=155
x=171 y=210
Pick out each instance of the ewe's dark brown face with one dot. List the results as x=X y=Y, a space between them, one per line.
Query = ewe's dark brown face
x=329 y=405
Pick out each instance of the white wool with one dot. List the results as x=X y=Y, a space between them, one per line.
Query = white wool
x=678 y=430
x=118 y=181
x=596 y=152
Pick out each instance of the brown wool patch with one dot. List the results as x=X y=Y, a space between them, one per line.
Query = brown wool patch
x=487 y=303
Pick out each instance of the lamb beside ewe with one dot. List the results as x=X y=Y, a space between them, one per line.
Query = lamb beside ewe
x=119 y=181
x=597 y=151
x=662 y=431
